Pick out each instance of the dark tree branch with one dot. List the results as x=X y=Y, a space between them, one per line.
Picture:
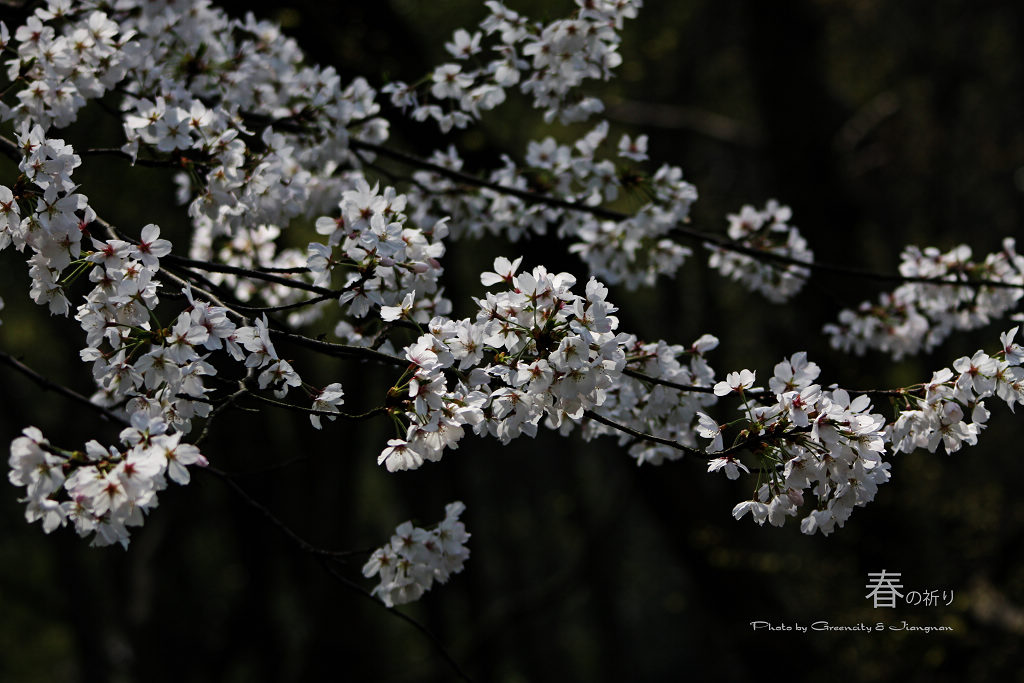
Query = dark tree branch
x=284 y=307
x=50 y=385
x=644 y=436
x=339 y=350
x=153 y=163
x=248 y=273
x=706 y=239
x=676 y=117
x=326 y=557
x=373 y=412
x=763 y=392
x=434 y=640
x=668 y=383
x=748 y=444
x=230 y=400
x=11 y=149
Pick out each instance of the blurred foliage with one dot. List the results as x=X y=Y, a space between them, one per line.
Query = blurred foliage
x=881 y=124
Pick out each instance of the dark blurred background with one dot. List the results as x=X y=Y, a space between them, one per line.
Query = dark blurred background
x=880 y=124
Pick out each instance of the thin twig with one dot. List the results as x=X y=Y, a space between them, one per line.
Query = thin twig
x=379 y=410
x=302 y=543
x=168 y=273
x=10 y=150
x=284 y=307
x=339 y=350
x=747 y=444
x=216 y=411
x=277 y=269
x=113 y=151
x=249 y=273
x=325 y=557
x=691 y=388
x=50 y=385
x=644 y=436
x=668 y=383
x=435 y=641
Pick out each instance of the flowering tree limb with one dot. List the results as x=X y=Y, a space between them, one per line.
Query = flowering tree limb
x=264 y=145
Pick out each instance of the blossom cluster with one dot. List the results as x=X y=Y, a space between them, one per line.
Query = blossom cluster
x=952 y=409
x=632 y=250
x=154 y=373
x=62 y=71
x=416 y=557
x=118 y=310
x=829 y=444
x=388 y=259
x=100 y=490
x=767 y=231
x=919 y=316
x=535 y=351
x=241 y=124
x=547 y=61
x=822 y=440
x=646 y=401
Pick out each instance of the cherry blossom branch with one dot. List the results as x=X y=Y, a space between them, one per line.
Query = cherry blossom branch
x=902 y=391
x=12 y=150
x=689 y=233
x=235 y=309
x=691 y=388
x=747 y=444
x=327 y=348
x=166 y=272
x=476 y=181
x=264 y=274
